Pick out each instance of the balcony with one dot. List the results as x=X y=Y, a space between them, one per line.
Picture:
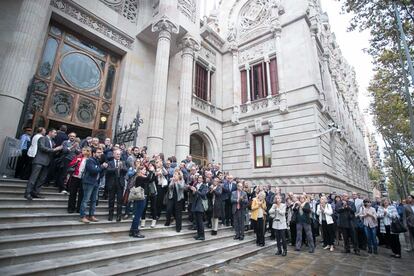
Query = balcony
x=204 y=107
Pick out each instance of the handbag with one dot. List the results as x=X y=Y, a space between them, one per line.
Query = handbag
x=397 y=227
x=136 y=193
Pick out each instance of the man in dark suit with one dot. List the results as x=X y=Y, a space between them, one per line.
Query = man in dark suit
x=240 y=202
x=229 y=186
x=115 y=181
x=40 y=164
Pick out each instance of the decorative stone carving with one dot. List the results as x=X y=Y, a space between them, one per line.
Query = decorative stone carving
x=257 y=51
x=258 y=124
x=165 y=26
x=284 y=108
x=203 y=106
x=208 y=54
x=126 y=8
x=253 y=16
x=188 y=8
x=261 y=105
x=74 y=10
x=189 y=44
x=231 y=35
x=236 y=115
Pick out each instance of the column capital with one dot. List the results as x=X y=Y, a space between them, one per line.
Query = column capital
x=234 y=49
x=165 y=27
x=266 y=58
x=247 y=67
x=189 y=45
x=276 y=27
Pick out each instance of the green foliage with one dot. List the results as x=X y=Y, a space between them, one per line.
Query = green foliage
x=389 y=106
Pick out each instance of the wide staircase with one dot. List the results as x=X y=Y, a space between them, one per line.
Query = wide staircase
x=40 y=238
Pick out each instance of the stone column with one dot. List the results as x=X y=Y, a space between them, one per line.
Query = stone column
x=277 y=33
x=182 y=147
x=19 y=63
x=269 y=83
x=236 y=76
x=209 y=83
x=249 y=95
x=159 y=92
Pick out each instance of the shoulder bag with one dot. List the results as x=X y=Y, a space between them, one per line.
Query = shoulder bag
x=136 y=193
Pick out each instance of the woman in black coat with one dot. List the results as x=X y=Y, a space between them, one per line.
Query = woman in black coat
x=215 y=190
x=200 y=194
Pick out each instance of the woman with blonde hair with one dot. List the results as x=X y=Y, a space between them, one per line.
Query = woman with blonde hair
x=278 y=214
x=325 y=212
x=259 y=216
x=175 y=200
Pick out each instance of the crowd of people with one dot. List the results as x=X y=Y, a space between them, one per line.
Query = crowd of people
x=210 y=197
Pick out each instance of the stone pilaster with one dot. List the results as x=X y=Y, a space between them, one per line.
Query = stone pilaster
x=277 y=34
x=159 y=93
x=236 y=75
x=182 y=147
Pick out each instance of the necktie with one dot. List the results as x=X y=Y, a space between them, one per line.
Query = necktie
x=238 y=202
x=117 y=165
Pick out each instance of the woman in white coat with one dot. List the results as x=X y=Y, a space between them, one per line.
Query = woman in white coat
x=324 y=211
x=278 y=214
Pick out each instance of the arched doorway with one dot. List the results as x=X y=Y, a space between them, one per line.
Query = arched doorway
x=198 y=150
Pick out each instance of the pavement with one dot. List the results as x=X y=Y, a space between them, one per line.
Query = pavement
x=322 y=262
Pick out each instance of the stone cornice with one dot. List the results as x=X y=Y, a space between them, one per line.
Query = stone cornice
x=84 y=16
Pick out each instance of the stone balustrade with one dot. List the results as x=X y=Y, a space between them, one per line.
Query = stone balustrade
x=203 y=106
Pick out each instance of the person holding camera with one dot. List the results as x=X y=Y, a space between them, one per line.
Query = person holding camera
x=175 y=200
x=259 y=215
x=278 y=214
x=303 y=221
x=346 y=212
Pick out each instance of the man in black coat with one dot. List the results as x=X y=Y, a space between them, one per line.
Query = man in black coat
x=40 y=164
x=115 y=181
x=347 y=223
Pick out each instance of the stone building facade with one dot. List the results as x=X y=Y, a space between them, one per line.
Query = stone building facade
x=257 y=85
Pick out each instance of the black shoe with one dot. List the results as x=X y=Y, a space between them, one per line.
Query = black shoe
x=71 y=211
x=200 y=239
x=135 y=234
x=196 y=237
x=369 y=250
x=213 y=233
x=311 y=250
x=167 y=224
x=28 y=197
x=110 y=218
x=375 y=251
x=178 y=230
x=346 y=251
x=118 y=218
x=236 y=238
x=37 y=196
x=227 y=223
x=284 y=253
x=241 y=238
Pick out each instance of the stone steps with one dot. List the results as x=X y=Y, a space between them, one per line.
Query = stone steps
x=92 y=243
x=196 y=267
x=62 y=235
x=145 y=257
x=41 y=238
